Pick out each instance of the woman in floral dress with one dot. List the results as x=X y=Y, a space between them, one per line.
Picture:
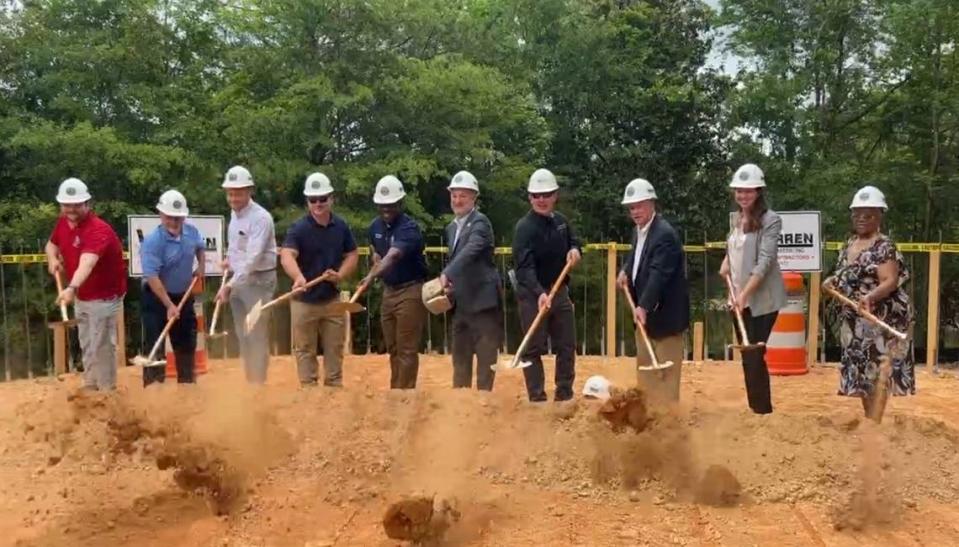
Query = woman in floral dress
x=871 y=271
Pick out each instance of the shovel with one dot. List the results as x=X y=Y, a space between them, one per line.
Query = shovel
x=149 y=361
x=352 y=306
x=66 y=321
x=661 y=380
x=745 y=346
x=257 y=310
x=863 y=312
x=216 y=311
x=515 y=361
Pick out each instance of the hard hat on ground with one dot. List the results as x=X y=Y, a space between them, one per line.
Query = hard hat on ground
x=638 y=190
x=869 y=196
x=748 y=176
x=542 y=181
x=464 y=180
x=73 y=190
x=434 y=298
x=317 y=185
x=172 y=203
x=598 y=387
x=388 y=191
x=237 y=177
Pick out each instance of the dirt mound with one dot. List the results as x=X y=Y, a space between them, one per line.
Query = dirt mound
x=718 y=487
x=420 y=519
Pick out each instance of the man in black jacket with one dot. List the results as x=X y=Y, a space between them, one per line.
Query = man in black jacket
x=542 y=245
x=655 y=274
x=473 y=285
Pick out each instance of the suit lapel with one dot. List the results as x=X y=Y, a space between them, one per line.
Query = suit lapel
x=467 y=226
x=647 y=244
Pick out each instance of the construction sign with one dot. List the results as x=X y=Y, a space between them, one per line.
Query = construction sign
x=210 y=227
x=800 y=241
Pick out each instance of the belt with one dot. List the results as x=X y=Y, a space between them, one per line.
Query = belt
x=402 y=286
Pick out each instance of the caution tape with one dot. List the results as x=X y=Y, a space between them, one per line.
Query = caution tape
x=910 y=247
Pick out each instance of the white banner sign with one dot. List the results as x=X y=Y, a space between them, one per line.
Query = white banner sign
x=210 y=227
x=800 y=242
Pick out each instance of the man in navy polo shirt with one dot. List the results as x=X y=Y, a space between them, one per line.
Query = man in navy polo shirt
x=167 y=256
x=318 y=243
x=398 y=259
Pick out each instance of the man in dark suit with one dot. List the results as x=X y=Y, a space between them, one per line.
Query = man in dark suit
x=473 y=284
x=655 y=274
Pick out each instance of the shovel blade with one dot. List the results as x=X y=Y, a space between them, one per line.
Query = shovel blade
x=661 y=383
x=513 y=363
x=142 y=361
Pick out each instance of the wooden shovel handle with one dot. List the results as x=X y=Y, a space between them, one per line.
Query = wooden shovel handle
x=863 y=312
x=169 y=324
x=641 y=327
x=542 y=312
x=359 y=291
x=736 y=312
x=216 y=307
x=309 y=284
x=63 y=306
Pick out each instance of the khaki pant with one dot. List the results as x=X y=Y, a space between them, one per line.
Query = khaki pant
x=97 y=329
x=402 y=316
x=310 y=320
x=660 y=385
x=254 y=345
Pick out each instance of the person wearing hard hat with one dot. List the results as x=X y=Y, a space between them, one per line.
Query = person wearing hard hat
x=872 y=272
x=251 y=255
x=397 y=250
x=543 y=243
x=89 y=251
x=654 y=273
x=752 y=263
x=473 y=284
x=167 y=256
x=317 y=244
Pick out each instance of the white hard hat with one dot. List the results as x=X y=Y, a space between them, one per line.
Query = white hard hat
x=542 y=181
x=464 y=180
x=869 y=196
x=598 y=387
x=748 y=176
x=238 y=177
x=389 y=190
x=638 y=190
x=173 y=203
x=73 y=190
x=317 y=185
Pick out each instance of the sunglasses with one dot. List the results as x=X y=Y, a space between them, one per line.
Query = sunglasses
x=542 y=196
x=321 y=199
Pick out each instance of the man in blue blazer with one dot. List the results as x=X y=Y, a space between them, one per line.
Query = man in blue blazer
x=655 y=274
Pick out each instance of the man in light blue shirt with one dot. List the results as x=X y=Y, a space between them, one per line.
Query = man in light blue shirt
x=251 y=254
x=167 y=256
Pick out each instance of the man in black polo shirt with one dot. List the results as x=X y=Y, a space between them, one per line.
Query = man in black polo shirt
x=542 y=244
x=398 y=259
x=318 y=243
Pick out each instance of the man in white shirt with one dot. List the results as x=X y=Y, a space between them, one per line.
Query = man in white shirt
x=251 y=255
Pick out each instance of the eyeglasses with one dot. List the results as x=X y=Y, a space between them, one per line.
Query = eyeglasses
x=321 y=199
x=546 y=195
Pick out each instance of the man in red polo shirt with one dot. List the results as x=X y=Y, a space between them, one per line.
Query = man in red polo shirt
x=88 y=249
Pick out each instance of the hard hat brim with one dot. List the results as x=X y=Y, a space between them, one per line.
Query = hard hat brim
x=228 y=185
x=388 y=200
x=747 y=185
x=183 y=213
x=73 y=200
x=549 y=189
x=318 y=194
x=452 y=187
x=638 y=200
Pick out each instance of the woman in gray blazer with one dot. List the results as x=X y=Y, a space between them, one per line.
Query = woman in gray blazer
x=752 y=261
